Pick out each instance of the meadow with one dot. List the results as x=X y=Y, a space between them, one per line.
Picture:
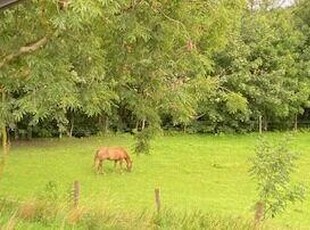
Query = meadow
x=195 y=173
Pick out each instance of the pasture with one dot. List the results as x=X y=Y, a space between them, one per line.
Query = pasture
x=193 y=172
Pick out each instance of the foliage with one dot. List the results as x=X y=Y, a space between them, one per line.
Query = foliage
x=95 y=56
x=49 y=66
x=203 y=66
x=261 y=63
x=272 y=167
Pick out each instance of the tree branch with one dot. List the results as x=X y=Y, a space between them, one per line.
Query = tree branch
x=129 y=8
x=175 y=21
x=199 y=116
x=24 y=50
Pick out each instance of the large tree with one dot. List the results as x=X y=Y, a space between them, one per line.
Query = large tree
x=151 y=57
x=161 y=54
x=262 y=63
x=51 y=60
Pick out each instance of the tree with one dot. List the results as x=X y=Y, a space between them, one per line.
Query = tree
x=302 y=20
x=272 y=167
x=147 y=56
x=51 y=61
x=262 y=64
x=159 y=52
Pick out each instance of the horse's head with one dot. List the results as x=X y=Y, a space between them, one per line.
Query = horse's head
x=129 y=165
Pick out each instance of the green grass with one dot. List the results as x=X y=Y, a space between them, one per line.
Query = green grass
x=193 y=172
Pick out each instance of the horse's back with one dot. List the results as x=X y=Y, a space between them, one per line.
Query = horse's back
x=101 y=153
x=111 y=153
x=123 y=152
x=117 y=152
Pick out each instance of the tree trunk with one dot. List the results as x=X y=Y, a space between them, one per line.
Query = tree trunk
x=29 y=132
x=265 y=123
x=260 y=125
x=4 y=141
x=4 y=137
x=16 y=134
x=71 y=126
x=4 y=133
x=104 y=123
x=5 y=149
x=137 y=125
x=296 y=123
x=184 y=128
x=143 y=124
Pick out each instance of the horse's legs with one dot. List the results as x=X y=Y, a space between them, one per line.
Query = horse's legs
x=128 y=165
x=100 y=168
x=121 y=165
x=96 y=165
x=115 y=165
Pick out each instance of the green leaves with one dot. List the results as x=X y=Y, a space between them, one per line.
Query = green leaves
x=272 y=168
x=54 y=72
x=210 y=60
x=261 y=64
x=236 y=102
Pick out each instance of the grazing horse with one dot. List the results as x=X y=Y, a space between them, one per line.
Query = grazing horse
x=116 y=154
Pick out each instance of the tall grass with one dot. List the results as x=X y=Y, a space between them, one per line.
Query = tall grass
x=43 y=214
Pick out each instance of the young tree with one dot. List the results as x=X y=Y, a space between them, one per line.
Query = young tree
x=272 y=168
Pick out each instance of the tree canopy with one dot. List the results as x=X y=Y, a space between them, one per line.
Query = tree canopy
x=203 y=66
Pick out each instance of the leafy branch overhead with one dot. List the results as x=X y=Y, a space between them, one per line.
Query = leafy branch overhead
x=24 y=50
x=205 y=65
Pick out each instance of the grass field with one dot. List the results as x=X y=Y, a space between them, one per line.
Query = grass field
x=193 y=172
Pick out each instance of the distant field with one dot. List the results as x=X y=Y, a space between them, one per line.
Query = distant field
x=193 y=172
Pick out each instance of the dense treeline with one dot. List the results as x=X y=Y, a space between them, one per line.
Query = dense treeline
x=83 y=67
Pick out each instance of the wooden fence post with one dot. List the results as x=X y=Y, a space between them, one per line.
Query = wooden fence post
x=157 y=199
x=259 y=213
x=260 y=126
x=76 y=193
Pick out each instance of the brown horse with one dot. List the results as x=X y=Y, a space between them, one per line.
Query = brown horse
x=116 y=154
